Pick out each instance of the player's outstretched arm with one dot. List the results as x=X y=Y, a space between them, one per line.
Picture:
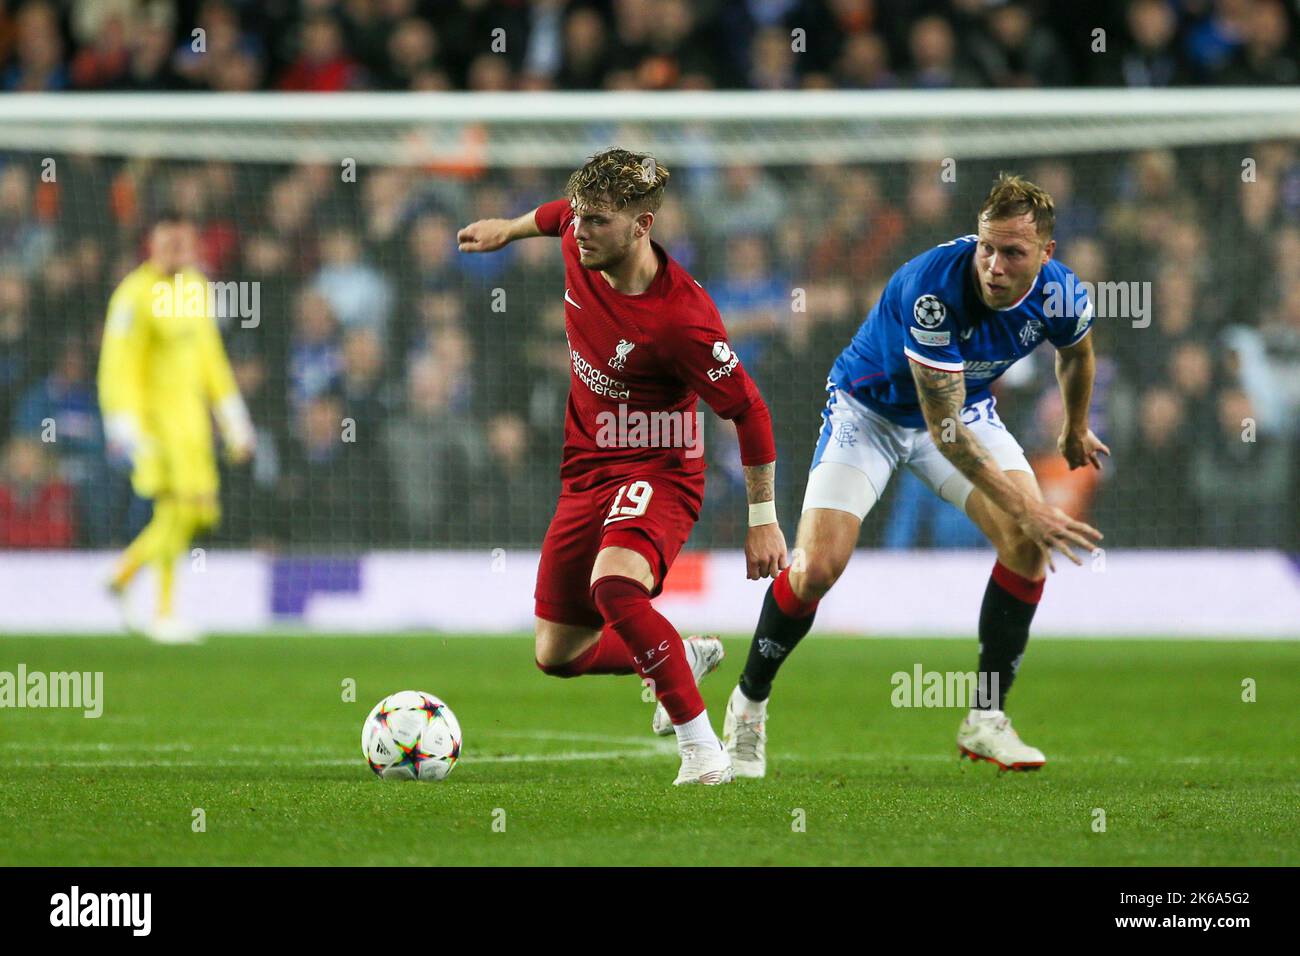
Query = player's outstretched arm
x=941 y=395
x=1075 y=368
x=489 y=235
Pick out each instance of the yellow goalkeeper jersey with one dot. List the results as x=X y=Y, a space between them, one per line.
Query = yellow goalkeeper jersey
x=162 y=372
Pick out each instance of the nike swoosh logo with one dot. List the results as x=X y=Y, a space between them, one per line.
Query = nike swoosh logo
x=569 y=300
x=620 y=518
x=649 y=669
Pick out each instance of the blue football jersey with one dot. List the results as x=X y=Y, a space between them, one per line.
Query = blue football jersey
x=931 y=312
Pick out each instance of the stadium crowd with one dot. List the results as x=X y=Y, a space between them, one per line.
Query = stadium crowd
x=408 y=396
x=405 y=395
x=332 y=45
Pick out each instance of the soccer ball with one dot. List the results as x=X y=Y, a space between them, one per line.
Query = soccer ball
x=411 y=735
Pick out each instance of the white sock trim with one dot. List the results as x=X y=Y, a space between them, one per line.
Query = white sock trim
x=697 y=730
x=746 y=707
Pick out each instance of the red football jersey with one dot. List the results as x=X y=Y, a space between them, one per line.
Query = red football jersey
x=656 y=352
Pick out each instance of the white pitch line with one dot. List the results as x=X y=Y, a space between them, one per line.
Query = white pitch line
x=336 y=762
x=640 y=748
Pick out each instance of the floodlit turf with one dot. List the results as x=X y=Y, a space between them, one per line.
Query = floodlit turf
x=255 y=733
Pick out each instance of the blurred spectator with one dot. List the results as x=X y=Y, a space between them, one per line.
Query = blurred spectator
x=248 y=492
x=934 y=57
x=201 y=59
x=1242 y=479
x=1213 y=39
x=358 y=293
x=864 y=64
x=35 y=505
x=103 y=58
x=323 y=64
x=150 y=44
x=413 y=51
x=328 y=481
x=1014 y=51
x=586 y=55
x=1151 y=493
x=772 y=61
x=37 y=64
x=25 y=241
x=17 y=342
x=62 y=409
x=315 y=359
x=748 y=201
x=363 y=387
x=1150 y=55
x=505 y=485
x=754 y=300
x=432 y=454
x=1268 y=55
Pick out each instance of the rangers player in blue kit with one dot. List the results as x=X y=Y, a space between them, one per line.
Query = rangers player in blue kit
x=912 y=389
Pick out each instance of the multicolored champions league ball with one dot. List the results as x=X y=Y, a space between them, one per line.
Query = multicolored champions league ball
x=411 y=735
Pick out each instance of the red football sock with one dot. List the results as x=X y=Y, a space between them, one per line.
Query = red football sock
x=609 y=655
x=656 y=648
x=789 y=602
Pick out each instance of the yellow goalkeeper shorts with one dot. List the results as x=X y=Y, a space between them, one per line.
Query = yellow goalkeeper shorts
x=184 y=470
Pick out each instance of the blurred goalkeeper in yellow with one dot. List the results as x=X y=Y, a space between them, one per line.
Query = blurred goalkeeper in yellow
x=163 y=373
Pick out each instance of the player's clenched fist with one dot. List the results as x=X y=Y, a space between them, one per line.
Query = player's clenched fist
x=765 y=554
x=486 y=235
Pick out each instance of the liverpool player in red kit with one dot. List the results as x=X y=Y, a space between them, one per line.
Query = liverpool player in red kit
x=645 y=342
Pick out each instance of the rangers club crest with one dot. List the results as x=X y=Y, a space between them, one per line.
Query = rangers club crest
x=1031 y=332
x=620 y=354
x=929 y=312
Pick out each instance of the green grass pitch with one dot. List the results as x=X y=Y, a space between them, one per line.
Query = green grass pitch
x=255 y=732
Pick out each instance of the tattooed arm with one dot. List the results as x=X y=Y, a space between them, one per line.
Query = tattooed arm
x=942 y=395
x=760 y=482
x=765 y=553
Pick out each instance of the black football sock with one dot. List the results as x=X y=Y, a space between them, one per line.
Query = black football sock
x=1010 y=601
x=781 y=626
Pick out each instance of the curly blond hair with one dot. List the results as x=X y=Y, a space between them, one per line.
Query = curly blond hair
x=619 y=179
x=1014 y=196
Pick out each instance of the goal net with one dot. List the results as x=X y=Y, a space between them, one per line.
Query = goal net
x=409 y=397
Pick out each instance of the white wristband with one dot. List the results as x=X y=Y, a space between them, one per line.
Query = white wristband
x=762 y=513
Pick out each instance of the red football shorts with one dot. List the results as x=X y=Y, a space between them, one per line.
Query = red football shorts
x=650 y=513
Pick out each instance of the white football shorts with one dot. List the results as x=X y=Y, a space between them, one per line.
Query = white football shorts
x=859 y=449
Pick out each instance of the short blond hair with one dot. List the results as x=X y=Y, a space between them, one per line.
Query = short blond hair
x=619 y=179
x=1013 y=196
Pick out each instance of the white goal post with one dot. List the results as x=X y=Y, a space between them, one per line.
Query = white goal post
x=551 y=129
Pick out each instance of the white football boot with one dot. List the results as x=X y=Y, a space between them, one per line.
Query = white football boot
x=707 y=766
x=172 y=630
x=744 y=735
x=704 y=654
x=988 y=735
